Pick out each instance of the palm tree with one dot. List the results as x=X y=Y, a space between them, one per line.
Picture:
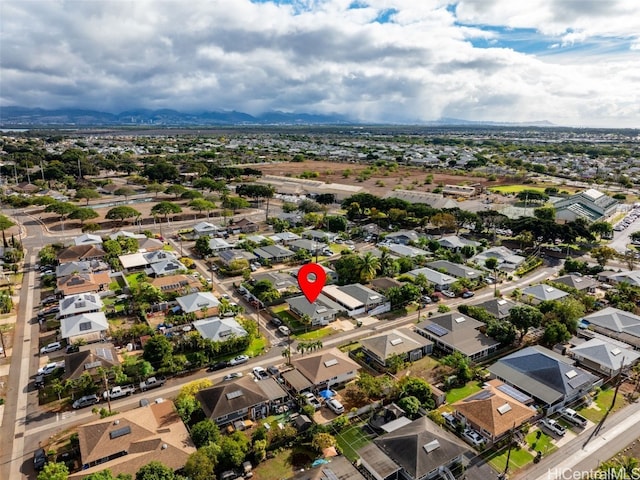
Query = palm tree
x=369 y=265
x=386 y=262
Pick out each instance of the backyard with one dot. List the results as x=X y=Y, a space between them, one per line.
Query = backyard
x=601 y=403
x=459 y=393
x=353 y=438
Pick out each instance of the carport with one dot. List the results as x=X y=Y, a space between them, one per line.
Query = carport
x=295 y=381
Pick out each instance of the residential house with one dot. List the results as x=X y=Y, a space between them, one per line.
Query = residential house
x=80 y=303
x=327 y=368
x=257 y=239
x=456 y=243
x=273 y=253
x=403 y=237
x=285 y=238
x=492 y=411
x=139 y=261
x=319 y=236
x=332 y=276
x=219 y=329
x=282 y=282
x=498 y=307
x=337 y=468
x=294 y=219
x=321 y=312
x=242 y=399
x=553 y=380
x=228 y=256
x=205 y=229
x=83 y=283
x=456 y=332
x=93 y=362
x=127 y=441
x=150 y=245
x=69 y=268
x=79 y=253
x=88 y=239
x=401 y=250
x=165 y=267
x=245 y=225
x=296 y=381
x=126 y=234
x=591 y=205
x=441 y=281
x=507 y=259
x=536 y=294
x=580 y=283
x=631 y=277
x=456 y=270
x=203 y=304
x=420 y=450
x=401 y=342
x=86 y=327
x=181 y=283
x=383 y=284
x=605 y=356
x=357 y=299
x=218 y=245
x=615 y=323
x=308 y=245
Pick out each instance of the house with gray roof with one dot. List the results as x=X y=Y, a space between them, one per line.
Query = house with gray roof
x=498 y=307
x=591 y=205
x=87 y=327
x=69 y=268
x=456 y=332
x=199 y=302
x=402 y=250
x=229 y=256
x=273 y=253
x=80 y=303
x=218 y=245
x=319 y=236
x=401 y=342
x=126 y=234
x=322 y=311
x=205 y=229
x=281 y=281
x=441 y=281
x=580 y=283
x=507 y=259
x=308 y=245
x=631 y=277
x=88 y=239
x=332 y=276
x=615 y=323
x=403 y=237
x=420 y=450
x=219 y=329
x=456 y=270
x=165 y=267
x=357 y=299
x=285 y=237
x=605 y=356
x=552 y=379
x=542 y=293
x=455 y=243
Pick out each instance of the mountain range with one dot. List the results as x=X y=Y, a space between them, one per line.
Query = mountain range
x=16 y=116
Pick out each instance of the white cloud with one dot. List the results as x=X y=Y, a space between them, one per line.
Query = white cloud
x=325 y=57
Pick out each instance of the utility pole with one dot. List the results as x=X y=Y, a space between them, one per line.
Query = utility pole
x=618 y=382
x=506 y=467
x=106 y=389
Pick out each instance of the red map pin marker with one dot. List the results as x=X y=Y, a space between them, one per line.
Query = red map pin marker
x=311 y=287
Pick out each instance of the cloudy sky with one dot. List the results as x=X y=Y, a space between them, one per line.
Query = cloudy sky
x=571 y=62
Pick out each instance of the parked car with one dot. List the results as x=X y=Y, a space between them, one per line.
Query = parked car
x=574 y=417
x=38 y=382
x=553 y=426
x=467 y=294
x=310 y=399
x=217 y=366
x=284 y=330
x=335 y=406
x=275 y=321
x=273 y=370
x=49 y=368
x=51 y=347
x=450 y=420
x=72 y=348
x=86 y=401
x=260 y=373
x=238 y=360
x=426 y=299
x=448 y=293
x=232 y=376
x=39 y=459
x=473 y=437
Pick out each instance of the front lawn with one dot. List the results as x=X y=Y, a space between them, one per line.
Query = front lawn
x=543 y=444
x=459 y=393
x=351 y=439
x=256 y=347
x=597 y=410
x=314 y=334
x=277 y=467
x=498 y=460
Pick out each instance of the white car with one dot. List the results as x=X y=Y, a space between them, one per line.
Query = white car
x=260 y=373
x=473 y=437
x=553 y=426
x=310 y=399
x=335 y=406
x=232 y=376
x=238 y=360
x=51 y=347
x=284 y=330
x=48 y=369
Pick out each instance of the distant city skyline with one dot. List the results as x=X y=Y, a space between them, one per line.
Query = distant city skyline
x=569 y=62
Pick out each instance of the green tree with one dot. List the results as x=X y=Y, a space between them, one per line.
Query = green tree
x=87 y=194
x=202 y=205
x=235 y=203
x=202 y=247
x=416 y=387
x=201 y=465
x=204 y=433
x=555 y=332
x=155 y=471
x=165 y=208
x=523 y=317
x=154 y=188
x=336 y=223
x=369 y=265
x=83 y=214
x=158 y=351
x=504 y=332
x=545 y=213
x=107 y=475
x=54 y=471
x=161 y=171
x=125 y=192
x=121 y=213
x=603 y=254
x=322 y=440
x=233 y=450
x=411 y=405
x=601 y=229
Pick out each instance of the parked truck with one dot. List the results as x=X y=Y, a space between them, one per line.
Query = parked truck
x=151 y=382
x=117 y=392
x=574 y=417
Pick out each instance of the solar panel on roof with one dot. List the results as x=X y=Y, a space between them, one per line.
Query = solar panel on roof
x=235 y=394
x=514 y=393
x=436 y=329
x=120 y=432
x=104 y=353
